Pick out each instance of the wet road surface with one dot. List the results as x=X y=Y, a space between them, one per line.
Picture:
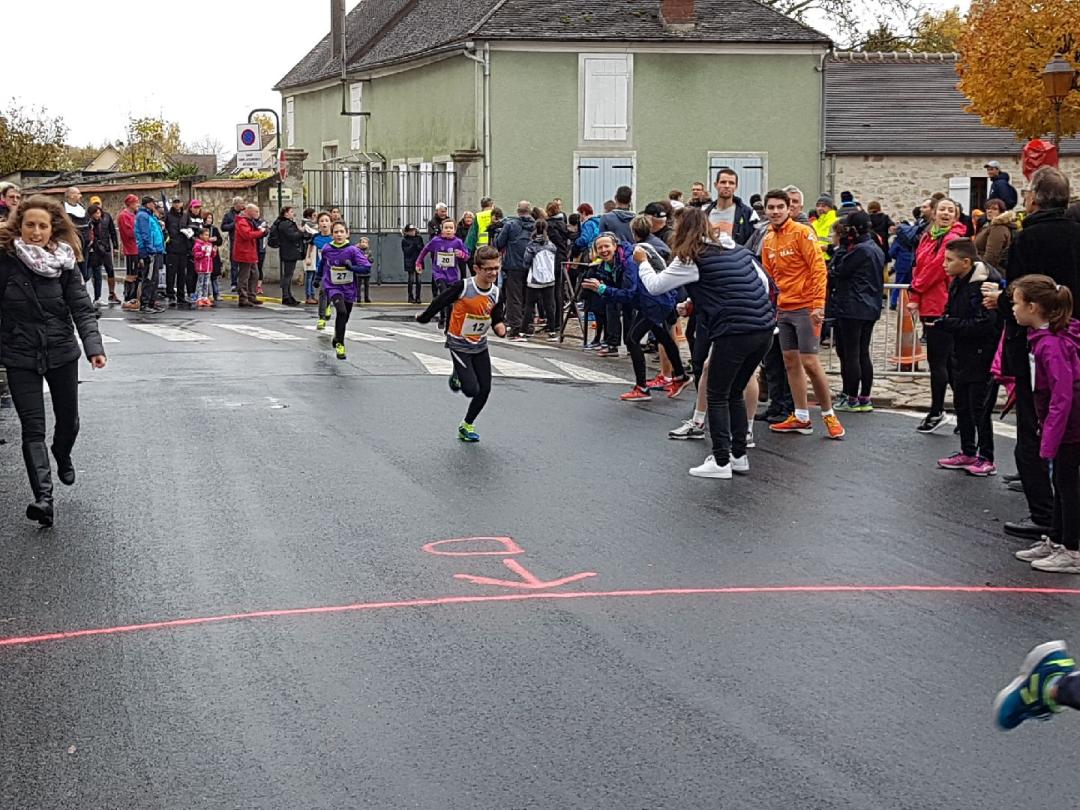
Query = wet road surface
x=233 y=466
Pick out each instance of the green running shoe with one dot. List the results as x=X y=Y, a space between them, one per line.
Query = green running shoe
x=467 y=433
x=329 y=311
x=340 y=349
x=846 y=405
x=864 y=407
x=455 y=383
x=320 y=324
x=1027 y=697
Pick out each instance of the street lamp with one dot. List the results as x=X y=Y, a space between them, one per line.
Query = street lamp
x=1059 y=79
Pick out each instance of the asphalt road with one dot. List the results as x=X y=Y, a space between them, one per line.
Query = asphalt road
x=236 y=472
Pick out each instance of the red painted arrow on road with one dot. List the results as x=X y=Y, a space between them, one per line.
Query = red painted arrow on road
x=529 y=581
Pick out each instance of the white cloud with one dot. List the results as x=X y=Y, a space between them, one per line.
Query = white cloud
x=202 y=65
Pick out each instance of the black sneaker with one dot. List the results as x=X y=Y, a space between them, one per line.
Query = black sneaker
x=931 y=423
x=151 y=310
x=1028 y=529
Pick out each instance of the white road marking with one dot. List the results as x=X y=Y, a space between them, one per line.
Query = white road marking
x=412 y=333
x=530 y=344
x=508 y=368
x=255 y=331
x=175 y=334
x=107 y=339
x=1000 y=428
x=350 y=335
x=586 y=374
x=275 y=307
x=435 y=365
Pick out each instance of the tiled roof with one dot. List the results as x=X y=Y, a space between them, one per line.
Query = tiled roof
x=639 y=20
x=906 y=104
x=382 y=32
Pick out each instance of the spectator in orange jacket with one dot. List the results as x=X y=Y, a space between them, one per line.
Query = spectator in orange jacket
x=249 y=230
x=791 y=256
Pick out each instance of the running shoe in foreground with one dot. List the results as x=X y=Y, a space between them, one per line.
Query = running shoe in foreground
x=455 y=383
x=793 y=425
x=1028 y=696
x=658 y=383
x=957 y=461
x=636 y=394
x=676 y=386
x=710 y=469
x=932 y=422
x=982 y=468
x=834 y=428
x=339 y=349
x=1038 y=550
x=1062 y=561
x=467 y=433
x=687 y=430
x=320 y=324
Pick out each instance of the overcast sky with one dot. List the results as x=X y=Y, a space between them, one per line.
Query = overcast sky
x=216 y=60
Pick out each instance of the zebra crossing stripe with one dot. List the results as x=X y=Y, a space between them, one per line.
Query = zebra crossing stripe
x=255 y=331
x=525 y=345
x=412 y=333
x=435 y=365
x=350 y=335
x=586 y=374
x=509 y=368
x=108 y=339
x=174 y=334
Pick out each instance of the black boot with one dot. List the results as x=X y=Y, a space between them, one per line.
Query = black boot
x=39 y=472
x=65 y=468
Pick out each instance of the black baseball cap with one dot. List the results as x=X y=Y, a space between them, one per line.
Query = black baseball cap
x=655 y=209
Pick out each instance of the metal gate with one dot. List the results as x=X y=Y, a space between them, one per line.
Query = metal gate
x=380 y=200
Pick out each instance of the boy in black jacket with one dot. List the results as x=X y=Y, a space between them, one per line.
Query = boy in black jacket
x=976 y=332
x=412 y=243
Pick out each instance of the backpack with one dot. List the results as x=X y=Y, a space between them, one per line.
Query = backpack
x=542 y=273
x=272 y=238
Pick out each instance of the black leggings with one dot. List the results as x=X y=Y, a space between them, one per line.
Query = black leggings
x=975 y=418
x=853 y=345
x=474 y=373
x=733 y=360
x=26 y=393
x=415 y=285
x=1067 y=495
x=633 y=345
x=939 y=346
x=344 y=310
x=544 y=297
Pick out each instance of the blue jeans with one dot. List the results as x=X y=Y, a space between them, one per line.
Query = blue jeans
x=215 y=286
x=309 y=284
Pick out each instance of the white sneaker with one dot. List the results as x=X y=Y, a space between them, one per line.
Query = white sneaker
x=750 y=444
x=710 y=469
x=1062 y=561
x=740 y=465
x=687 y=430
x=1037 y=551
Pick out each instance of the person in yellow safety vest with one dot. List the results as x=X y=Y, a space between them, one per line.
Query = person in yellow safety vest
x=478 y=233
x=826 y=217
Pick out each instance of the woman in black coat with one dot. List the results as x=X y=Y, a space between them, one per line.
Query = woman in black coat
x=290 y=244
x=559 y=234
x=42 y=301
x=856 y=291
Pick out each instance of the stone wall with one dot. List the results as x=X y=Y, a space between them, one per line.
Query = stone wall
x=901 y=182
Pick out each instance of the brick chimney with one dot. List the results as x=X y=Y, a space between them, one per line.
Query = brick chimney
x=677 y=14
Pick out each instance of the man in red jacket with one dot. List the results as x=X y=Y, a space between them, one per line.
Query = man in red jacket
x=125 y=222
x=249 y=230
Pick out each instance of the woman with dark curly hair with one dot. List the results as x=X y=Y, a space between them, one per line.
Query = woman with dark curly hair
x=42 y=302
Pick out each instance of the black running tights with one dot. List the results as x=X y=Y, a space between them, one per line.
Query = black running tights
x=474 y=373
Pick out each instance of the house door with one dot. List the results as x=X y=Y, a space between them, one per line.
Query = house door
x=597 y=179
x=750 y=168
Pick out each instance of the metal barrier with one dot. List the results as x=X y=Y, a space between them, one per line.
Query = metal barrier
x=380 y=200
x=896 y=346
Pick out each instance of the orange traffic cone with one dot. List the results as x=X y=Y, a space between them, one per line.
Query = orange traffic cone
x=909 y=353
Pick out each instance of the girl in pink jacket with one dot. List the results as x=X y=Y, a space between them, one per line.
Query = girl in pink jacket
x=203 y=251
x=1046 y=308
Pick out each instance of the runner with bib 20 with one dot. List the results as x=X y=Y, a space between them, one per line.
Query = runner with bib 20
x=475 y=310
x=344 y=266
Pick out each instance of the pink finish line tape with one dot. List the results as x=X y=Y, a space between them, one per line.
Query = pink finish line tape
x=441 y=601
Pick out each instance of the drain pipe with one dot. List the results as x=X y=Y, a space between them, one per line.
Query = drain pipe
x=485 y=62
x=824 y=112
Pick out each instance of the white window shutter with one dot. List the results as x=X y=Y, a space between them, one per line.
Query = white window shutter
x=607 y=98
x=290 y=122
x=355 y=102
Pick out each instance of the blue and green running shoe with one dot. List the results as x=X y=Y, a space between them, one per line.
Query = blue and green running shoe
x=455 y=383
x=329 y=311
x=467 y=433
x=1028 y=696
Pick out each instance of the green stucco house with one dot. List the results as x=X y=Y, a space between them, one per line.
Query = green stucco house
x=529 y=99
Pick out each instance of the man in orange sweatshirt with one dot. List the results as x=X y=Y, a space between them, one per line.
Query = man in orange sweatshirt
x=791 y=256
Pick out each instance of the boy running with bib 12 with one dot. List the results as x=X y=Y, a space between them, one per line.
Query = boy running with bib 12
x=475 y=310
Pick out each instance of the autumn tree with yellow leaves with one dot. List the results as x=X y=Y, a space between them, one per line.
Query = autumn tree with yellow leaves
x=1003 y=52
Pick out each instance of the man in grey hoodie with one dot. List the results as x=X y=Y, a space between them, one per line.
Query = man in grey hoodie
x=513 y=238
x=618 y=221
